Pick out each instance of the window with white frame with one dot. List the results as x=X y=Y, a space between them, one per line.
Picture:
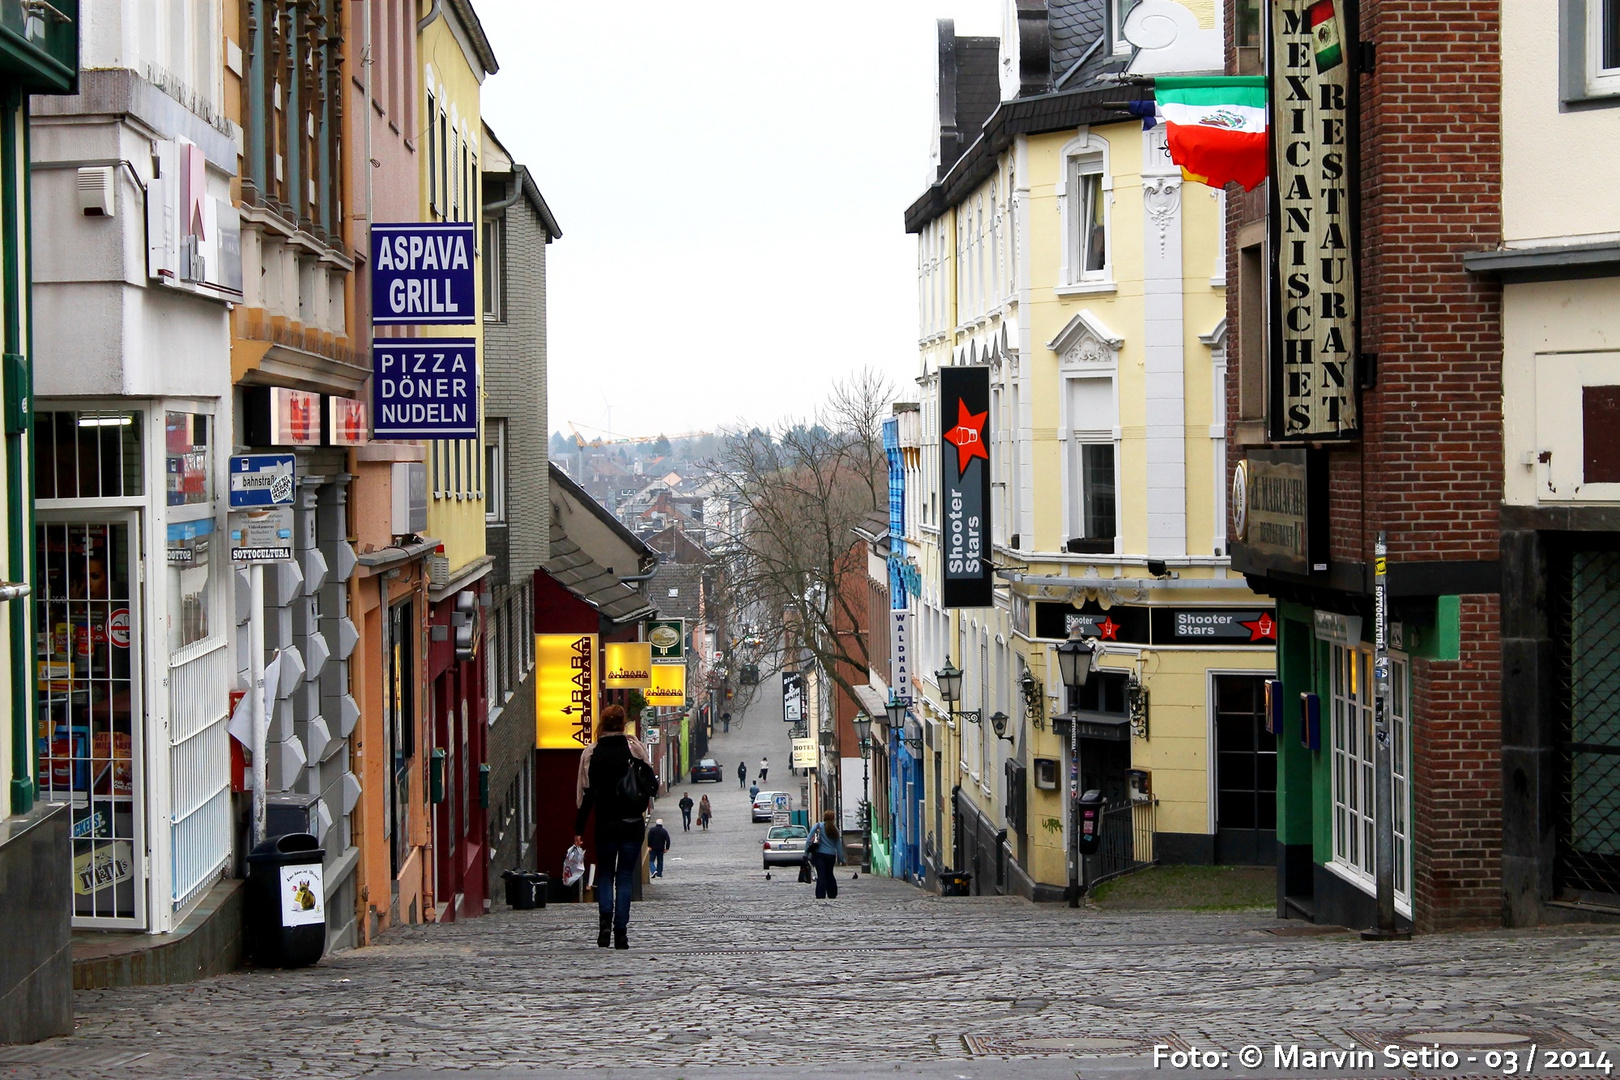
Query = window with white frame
x=1086 y=196
x=494 y=270
x=495 y=470
x=1092 y=503
x=1352 y=743
x=1589 y=55
x=1118 y=11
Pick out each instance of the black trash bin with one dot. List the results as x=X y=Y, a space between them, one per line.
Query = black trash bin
x=286 y=901
x=525 y=889
x=955 y=883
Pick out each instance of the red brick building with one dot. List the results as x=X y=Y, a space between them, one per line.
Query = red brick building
x=1400 y=434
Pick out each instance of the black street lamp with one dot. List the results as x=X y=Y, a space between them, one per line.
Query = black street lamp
x=998 y=723
x=863 y=731
x=1076 y=657
x=950 y=688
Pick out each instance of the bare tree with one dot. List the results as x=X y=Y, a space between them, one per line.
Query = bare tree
x=791 y=564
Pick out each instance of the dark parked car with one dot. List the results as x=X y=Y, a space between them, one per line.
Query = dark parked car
x=706 y=769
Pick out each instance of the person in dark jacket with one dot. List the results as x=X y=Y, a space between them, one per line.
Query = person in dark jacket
x=742 y=773
x=620 y=823
x=825 y=847
x=686 y=811
x=657 y=844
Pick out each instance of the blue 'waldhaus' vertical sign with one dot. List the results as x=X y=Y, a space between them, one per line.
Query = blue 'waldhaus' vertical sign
x=424 y=388
x=422 y=273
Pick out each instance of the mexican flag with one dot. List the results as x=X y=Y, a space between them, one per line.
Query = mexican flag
x=1216 y=128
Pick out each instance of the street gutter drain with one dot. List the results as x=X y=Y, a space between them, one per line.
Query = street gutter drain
x=1052 y=1046
x=1469 y=1039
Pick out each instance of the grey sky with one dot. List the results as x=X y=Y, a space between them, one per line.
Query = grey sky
x=730 y=179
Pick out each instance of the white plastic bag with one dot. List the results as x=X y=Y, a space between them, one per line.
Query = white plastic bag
x=573 y=864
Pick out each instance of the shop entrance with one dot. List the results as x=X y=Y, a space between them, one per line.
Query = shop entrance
x=1245 y=773
x=89 y=722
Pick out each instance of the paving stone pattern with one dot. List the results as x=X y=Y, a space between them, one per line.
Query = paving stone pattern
x=728 y=968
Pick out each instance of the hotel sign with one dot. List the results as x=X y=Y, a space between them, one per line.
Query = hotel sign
x=629 y=665
x=565 y=691
x=964 y=417
x=1313 y=219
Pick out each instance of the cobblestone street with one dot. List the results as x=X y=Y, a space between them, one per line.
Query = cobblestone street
x=730 y=969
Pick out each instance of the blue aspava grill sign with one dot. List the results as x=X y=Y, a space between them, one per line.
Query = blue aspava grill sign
x=424 y=388
x=964 y=418
x=422 y=274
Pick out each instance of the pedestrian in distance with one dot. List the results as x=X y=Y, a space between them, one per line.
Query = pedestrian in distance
x=753 y=790
x=686 y=811
x=606 y=769
x=725 y=721
x=826 y=848
x=705 y=812
x=742 y=773
x=657 y=844
x=764 y=769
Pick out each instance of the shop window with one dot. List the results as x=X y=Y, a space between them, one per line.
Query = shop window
x=190 y=556
x=87 y=455
x=188 y=459
x=1354 y=812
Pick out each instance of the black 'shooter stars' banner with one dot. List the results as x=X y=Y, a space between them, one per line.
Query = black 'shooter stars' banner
x=964 y=468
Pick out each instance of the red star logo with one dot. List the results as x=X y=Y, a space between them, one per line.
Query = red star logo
x=1262 y=629
x=968 y=435
x=1108 y=629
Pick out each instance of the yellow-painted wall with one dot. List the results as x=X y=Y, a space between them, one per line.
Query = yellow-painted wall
x=454 y=83
x=1035 y=307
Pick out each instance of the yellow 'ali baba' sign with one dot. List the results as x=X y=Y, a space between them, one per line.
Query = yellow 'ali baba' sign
x=668 y=686
x=565 y=691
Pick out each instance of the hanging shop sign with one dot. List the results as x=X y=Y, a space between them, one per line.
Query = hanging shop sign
x=629 y=665
x=667 y=686
x=806 y=755
x=280 y=416
x=793 y=711
x=1313 y=220
x=1283 y=521
x=900 y=623
x=424 y=388
x=346 y=421
x=964 y=417
x=263 y=535
x=261 y=480
x=565 y=691
x=422 y=273
x=668 y=640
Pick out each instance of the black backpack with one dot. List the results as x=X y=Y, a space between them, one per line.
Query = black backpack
x=639 y=783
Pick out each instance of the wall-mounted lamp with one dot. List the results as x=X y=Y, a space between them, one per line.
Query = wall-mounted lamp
x=998 y=723
x=912 y=737
x=1034 y=700
x=950 y=688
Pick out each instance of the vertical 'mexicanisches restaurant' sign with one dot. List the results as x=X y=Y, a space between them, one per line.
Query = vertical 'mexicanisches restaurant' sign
x=1313 y=227
x=964 y=472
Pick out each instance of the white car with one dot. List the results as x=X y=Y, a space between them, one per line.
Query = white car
x=784 y=845
x=765 y=805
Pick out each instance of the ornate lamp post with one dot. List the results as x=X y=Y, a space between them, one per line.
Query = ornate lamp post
x=950 y=688
x=1076 y=657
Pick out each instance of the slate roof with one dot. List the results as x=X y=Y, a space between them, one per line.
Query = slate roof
x=594 y=583
x=1075 y=26
x=978 y=85
x=687 y=581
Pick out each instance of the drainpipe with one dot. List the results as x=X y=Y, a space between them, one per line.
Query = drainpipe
x=427 y=20
x=19 y=480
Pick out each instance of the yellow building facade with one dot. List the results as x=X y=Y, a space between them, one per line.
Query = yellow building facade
x=454 y=58
x=1062 y=251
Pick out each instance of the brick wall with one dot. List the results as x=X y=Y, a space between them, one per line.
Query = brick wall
x=515 y=360
x=1457 y=778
